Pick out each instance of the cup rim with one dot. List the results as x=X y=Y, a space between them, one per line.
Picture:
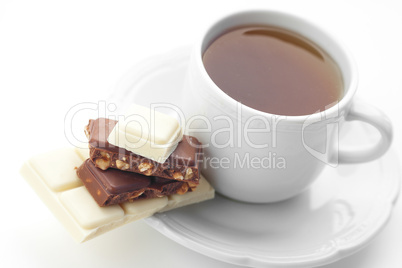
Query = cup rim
x=332 y=112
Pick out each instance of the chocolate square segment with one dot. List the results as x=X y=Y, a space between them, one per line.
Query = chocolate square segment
x=109 y=187
x=182 y=165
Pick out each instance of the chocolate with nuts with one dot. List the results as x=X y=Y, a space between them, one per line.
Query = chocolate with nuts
x=182 y=164
x=109 y=187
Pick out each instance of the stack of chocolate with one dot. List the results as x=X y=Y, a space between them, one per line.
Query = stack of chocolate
x=97 y=190
x=113 y=174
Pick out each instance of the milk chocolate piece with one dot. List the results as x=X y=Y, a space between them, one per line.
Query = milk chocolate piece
x=183 y=164
x=110 y=187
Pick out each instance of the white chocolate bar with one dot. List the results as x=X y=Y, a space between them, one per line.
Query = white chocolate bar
x=57 y=184
x=148 y=133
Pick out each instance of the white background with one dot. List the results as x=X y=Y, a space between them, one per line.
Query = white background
x=56 y=54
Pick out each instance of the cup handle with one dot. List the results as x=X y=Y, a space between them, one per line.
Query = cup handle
x=369 y=114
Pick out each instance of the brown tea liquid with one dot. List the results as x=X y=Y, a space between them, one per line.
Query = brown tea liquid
x=274 y=70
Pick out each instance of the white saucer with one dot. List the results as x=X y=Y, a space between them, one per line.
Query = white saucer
x=340 y=214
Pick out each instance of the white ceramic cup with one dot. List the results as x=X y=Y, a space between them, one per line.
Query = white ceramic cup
x=259 y=157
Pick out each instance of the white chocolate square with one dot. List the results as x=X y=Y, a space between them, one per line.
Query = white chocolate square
x=86 y=211
x=82 y=151
x=145 y=208
x=147 y=132
x=54 y=170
